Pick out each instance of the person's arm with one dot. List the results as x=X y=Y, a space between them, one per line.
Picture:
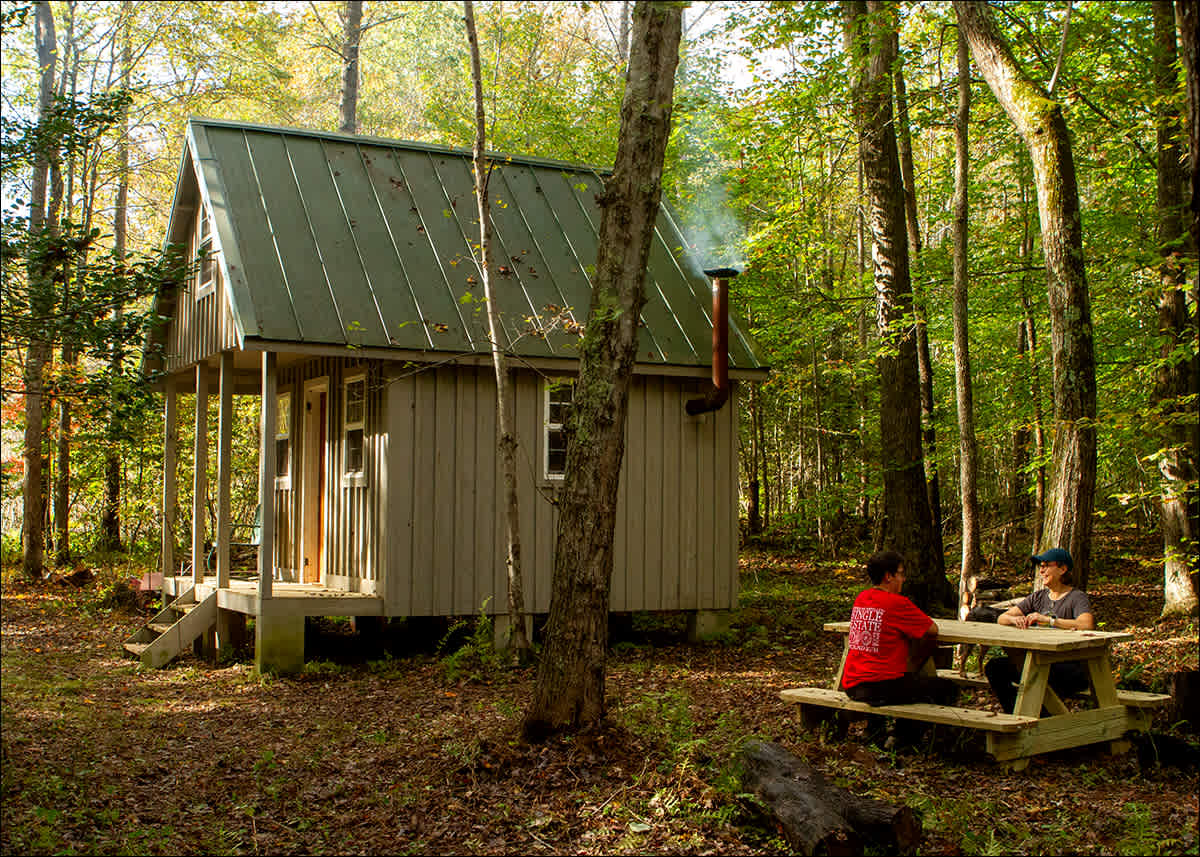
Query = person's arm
x=1013 y=616
x=922 y=647
x=1082 y=622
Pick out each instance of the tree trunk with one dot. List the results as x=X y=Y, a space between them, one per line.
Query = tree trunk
x=864 y=512
x=767 y=481
x=908 y=524
x=1039 y=120
x=819 y=818
x=972 y=554
x=1173 y=376
x=507 y=441
x=1187 y=16
x=623 y=32
x=110 y=525
x=569 y=691
x=754 y=513
x=37 y=355
x=933 y=486
x=352 y=13
x=904 y=142
x=69 y=353
x=1019 y=507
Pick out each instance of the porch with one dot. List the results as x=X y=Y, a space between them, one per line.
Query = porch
x=211 y=616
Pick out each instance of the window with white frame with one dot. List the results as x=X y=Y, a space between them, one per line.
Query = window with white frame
x=559 y=397
x=354 y=420
x=283 y=440
x=206 y=277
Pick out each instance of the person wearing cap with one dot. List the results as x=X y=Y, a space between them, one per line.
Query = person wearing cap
x=1058 y=605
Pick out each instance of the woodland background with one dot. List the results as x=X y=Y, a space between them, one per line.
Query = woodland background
x=412 y=746
x=761 y=166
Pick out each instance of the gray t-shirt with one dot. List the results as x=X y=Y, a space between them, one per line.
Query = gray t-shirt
x=1071 y=606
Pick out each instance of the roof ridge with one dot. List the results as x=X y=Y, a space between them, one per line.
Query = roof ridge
x=389 y=142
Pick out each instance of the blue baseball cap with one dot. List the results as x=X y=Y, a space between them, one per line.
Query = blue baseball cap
x=1059 y=555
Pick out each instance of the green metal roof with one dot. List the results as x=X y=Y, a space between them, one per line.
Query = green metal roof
x=357 y=241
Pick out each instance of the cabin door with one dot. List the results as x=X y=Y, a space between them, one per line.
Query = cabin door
x=312 y=517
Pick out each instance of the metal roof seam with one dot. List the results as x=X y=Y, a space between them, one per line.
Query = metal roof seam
x=399 y=257
x=706 y=310
x=466 y=240
x=437 y=258
x=274 y=241
x=316 y=244
x=354 y=238
x=596 y=230
x=535 y=315
x=574 y=254
x=563 y=302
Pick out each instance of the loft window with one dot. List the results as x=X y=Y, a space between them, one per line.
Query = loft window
x=283 y=440
x=354 y=422
x=205 y=274
x=560 y=395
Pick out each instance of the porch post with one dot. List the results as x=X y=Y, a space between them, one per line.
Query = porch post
x=224 y=454
x=266 y=478
x=278 y=631
x=200 y=474
x=170 y=497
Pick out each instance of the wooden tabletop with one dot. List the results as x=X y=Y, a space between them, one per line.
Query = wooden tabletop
x=993 y=634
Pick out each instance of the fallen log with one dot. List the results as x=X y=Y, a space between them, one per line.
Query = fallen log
x=816 y=817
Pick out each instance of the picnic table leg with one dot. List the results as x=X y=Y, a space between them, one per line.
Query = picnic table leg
x=1032 y=692
x=1104 y=691
x=814 y=717
x=837 y=678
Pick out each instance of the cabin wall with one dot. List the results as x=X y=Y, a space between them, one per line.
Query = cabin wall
x=676 y=537
x=353 y=547
x=201 y=326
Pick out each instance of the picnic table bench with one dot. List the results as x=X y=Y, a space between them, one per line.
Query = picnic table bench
x=1014 y=738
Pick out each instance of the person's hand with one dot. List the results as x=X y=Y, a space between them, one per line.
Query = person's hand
x=1032 y=620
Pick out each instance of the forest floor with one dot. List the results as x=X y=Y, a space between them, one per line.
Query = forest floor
x=414 y=747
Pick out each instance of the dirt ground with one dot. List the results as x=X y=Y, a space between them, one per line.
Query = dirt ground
x=413 y=747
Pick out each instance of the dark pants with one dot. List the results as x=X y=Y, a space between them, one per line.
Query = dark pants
x=1067 y=678
x=910 y=687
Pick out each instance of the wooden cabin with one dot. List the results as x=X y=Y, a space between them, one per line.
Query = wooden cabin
x=338 y=283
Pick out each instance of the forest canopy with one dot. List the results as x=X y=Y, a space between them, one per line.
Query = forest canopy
x=763 y=168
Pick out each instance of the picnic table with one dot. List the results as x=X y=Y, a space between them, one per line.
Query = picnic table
x=1014 y=738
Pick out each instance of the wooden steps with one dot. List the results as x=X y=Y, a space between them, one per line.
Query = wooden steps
x=173 y=629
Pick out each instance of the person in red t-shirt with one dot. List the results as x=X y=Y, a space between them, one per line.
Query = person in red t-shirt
x=890 y=639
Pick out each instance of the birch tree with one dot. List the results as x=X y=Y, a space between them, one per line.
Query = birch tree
x=42 y=219
x=1038 y=118
x=352 y=14
x=507 y=440
x=1178 y=349
x=972 y=554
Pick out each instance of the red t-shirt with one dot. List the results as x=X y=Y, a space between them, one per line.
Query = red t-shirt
x=881 y=624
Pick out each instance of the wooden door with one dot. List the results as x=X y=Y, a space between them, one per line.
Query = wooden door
x=316 y=394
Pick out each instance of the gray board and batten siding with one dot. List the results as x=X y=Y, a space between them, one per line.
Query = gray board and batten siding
x=422 y=527
x=676 y=536
x=350 y=255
